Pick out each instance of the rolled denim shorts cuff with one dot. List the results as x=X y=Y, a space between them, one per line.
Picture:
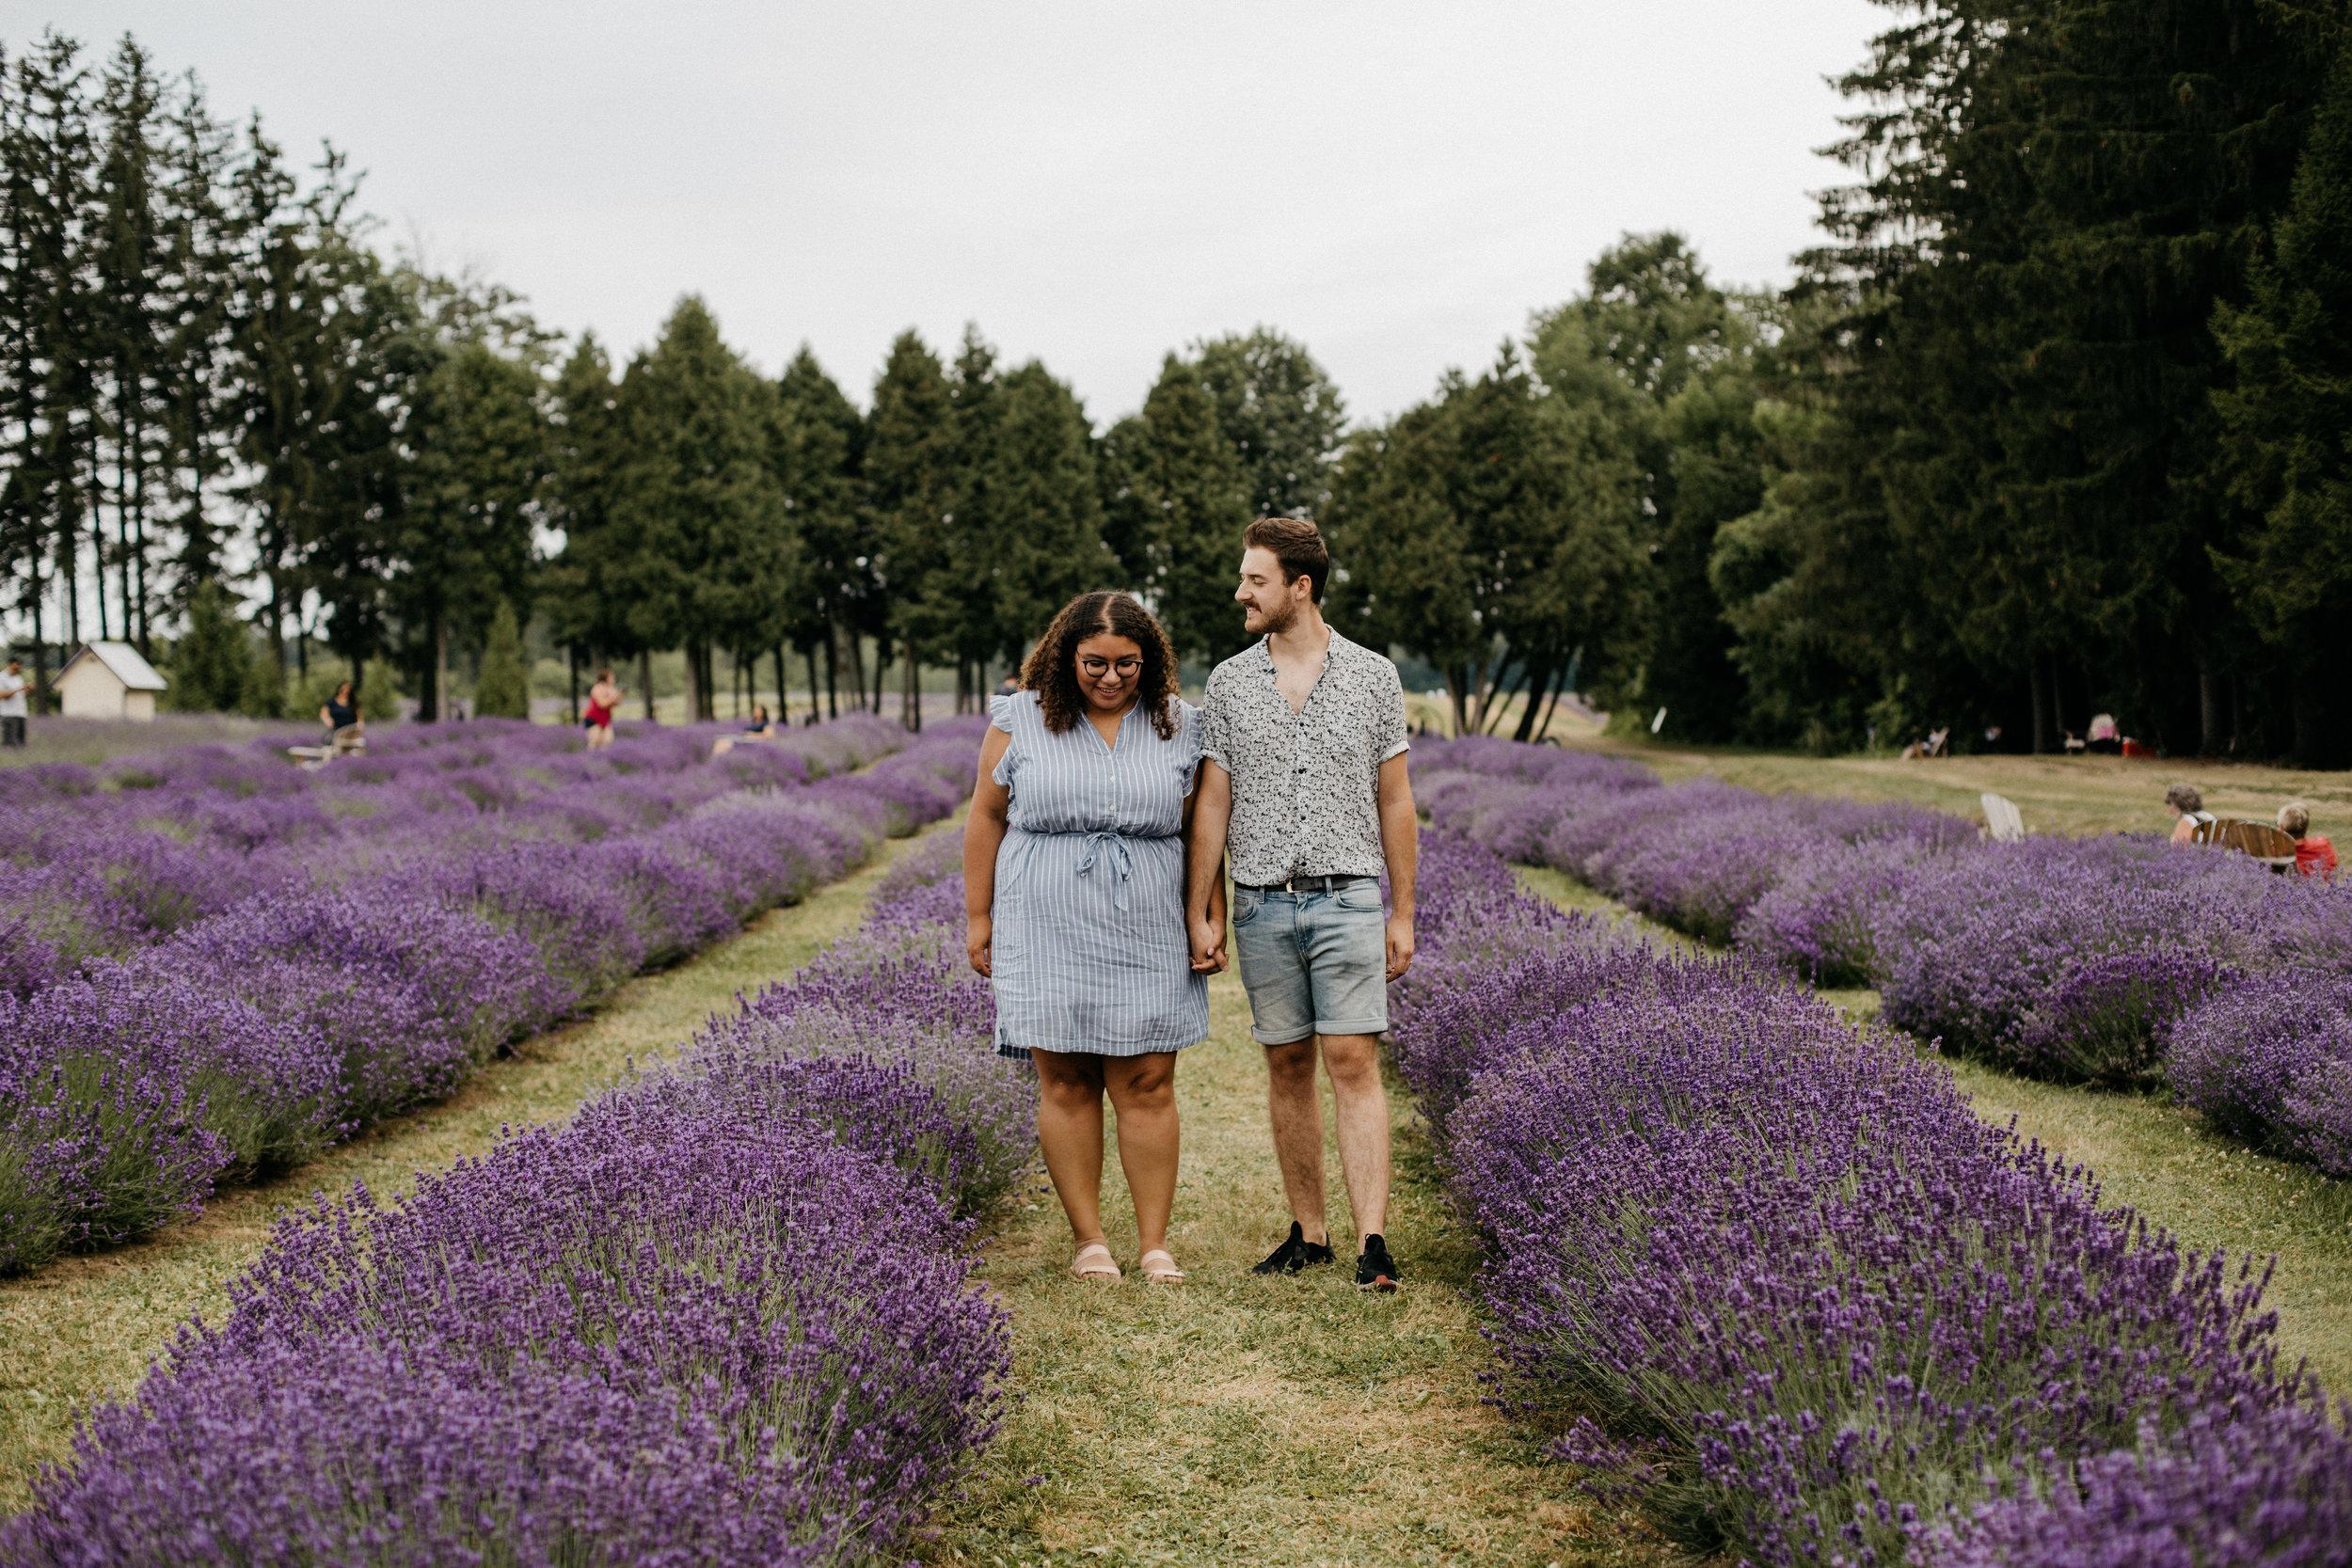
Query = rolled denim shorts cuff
x=1359 y=1026
x=1271 y=1044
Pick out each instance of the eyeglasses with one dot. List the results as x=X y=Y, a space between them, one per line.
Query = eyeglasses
x=1095 y=669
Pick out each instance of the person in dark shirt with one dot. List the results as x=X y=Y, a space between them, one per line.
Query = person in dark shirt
x=342 y=713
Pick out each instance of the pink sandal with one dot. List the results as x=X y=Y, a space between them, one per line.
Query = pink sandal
x=1094 y=1261
x=1159 y=1267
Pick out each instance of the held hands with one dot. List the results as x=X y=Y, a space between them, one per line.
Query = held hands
x=1208 y=945
x=1400 y=945
x=978 y=931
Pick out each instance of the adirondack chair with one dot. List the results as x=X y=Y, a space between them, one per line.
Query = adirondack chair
x=2003 y=822
x=2259 y=840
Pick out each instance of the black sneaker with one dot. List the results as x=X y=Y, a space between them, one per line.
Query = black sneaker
x=1375 y=1270
x=1295 y=1254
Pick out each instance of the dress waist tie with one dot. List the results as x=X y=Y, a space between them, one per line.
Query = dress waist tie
x=1111 y=850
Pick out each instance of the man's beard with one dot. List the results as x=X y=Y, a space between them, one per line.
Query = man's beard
x=1274 y=623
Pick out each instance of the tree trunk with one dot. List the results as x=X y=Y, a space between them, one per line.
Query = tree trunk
x=1455 y=688
x=911 y=690
x=833 y=648
x=693 y=684
x=882 y=669
x=2037 y=682
x=1536 y=695
x=571 y=659
x=856 y=645
x=808 y=652
x=440 y=667
x=644 y=680
x=2209 y=719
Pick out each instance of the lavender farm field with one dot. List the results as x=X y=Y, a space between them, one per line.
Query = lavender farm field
x=1769 y=1273
x=722 y=1315
x=212 y=966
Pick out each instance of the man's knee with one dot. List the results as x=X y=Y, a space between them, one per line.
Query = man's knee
x=1352 y=1060
x=1293 y=1065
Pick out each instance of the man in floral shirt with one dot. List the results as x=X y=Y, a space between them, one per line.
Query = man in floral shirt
x=1304 y=787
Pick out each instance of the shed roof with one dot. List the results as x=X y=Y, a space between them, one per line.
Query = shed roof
x=123 y=662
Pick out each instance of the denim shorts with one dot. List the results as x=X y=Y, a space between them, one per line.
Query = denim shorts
x=1313 y=964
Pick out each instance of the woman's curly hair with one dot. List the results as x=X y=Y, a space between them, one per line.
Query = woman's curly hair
x=1051 y=669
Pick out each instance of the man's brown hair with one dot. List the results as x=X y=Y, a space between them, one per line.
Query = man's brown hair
x=1297 y=543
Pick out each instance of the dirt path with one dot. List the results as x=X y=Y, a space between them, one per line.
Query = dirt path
x=1234 y=1420
x=84 y=1328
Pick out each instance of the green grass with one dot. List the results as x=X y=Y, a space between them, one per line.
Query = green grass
x=84 y=1328
x=2152 y=1156
x=1260 y=1421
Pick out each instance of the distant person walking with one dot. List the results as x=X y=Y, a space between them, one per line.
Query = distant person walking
x=604 y=700
x=13 y=708
x=1303 y=784
x=1073 y=896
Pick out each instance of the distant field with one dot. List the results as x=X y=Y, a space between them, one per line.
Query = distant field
x=90 y=741
x=2058 y=795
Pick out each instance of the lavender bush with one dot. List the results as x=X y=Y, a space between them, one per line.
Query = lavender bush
x=2079 y=960
x=1822 y=1309
x=230 y=963
x=723 y=1317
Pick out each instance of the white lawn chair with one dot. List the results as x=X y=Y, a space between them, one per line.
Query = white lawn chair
x=2003 y=822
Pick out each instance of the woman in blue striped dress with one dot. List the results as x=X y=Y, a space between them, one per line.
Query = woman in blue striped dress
x=1073 y=880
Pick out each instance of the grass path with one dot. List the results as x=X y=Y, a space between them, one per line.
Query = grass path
x=1234 y=1420
x=2158 y=1158
x=84 y=1328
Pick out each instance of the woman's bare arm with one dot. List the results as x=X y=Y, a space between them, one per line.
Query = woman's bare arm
x=1215 y=962
x=983 y=833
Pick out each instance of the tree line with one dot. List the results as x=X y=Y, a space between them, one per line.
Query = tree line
x=2052 y=421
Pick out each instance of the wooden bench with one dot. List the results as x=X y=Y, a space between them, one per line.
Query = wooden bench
x=2260 y=841
x=344 y=742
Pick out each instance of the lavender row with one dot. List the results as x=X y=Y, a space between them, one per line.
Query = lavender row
x=100 y=862
x=723 y=1318
x=248 y=1041
x=2120 y=960
x=1803 y=1301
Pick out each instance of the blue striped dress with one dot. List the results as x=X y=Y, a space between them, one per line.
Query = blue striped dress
x=1088 y=946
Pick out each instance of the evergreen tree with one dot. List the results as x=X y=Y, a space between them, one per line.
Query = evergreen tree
x=694 y=502
x=130 y=327
x=1176 y=500
x=501 y=689
x=1048 y=504
x=209 y=661
x=911 y=490
x=1282 y=414
x=462 y=548
x=2287 y=416
x=818 y=456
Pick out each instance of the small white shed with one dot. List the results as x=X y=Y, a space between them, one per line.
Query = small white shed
x=108 y=680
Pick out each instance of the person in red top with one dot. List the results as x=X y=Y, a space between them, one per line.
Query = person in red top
x=604 y=700
x=2314 y=855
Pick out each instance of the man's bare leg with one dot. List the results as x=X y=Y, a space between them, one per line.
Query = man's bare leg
x=1359 y=1103
x=1296 y=1107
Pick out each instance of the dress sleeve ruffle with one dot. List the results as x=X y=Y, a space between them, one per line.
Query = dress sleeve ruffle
x=1000 y=711
x=1188 y=745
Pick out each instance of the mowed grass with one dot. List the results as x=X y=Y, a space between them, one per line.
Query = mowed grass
x=2151 y=1156
x=1235 y=1420
x=85 y=1328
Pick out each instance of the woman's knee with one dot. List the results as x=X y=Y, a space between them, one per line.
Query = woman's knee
x=1069 y=1082
x=1142 y=1083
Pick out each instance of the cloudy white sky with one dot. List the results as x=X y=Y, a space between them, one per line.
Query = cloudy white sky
x=1398 y=184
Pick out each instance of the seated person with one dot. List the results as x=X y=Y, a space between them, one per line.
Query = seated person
x=758 y=723
x=340 y=712
x=2314 y=855
x=2104 y=737
x=2189 y=808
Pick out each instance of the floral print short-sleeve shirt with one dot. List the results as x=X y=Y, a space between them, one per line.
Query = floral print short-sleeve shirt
x=1305 y=785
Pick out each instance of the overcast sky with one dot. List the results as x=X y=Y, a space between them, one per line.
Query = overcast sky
x=1094 y=184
